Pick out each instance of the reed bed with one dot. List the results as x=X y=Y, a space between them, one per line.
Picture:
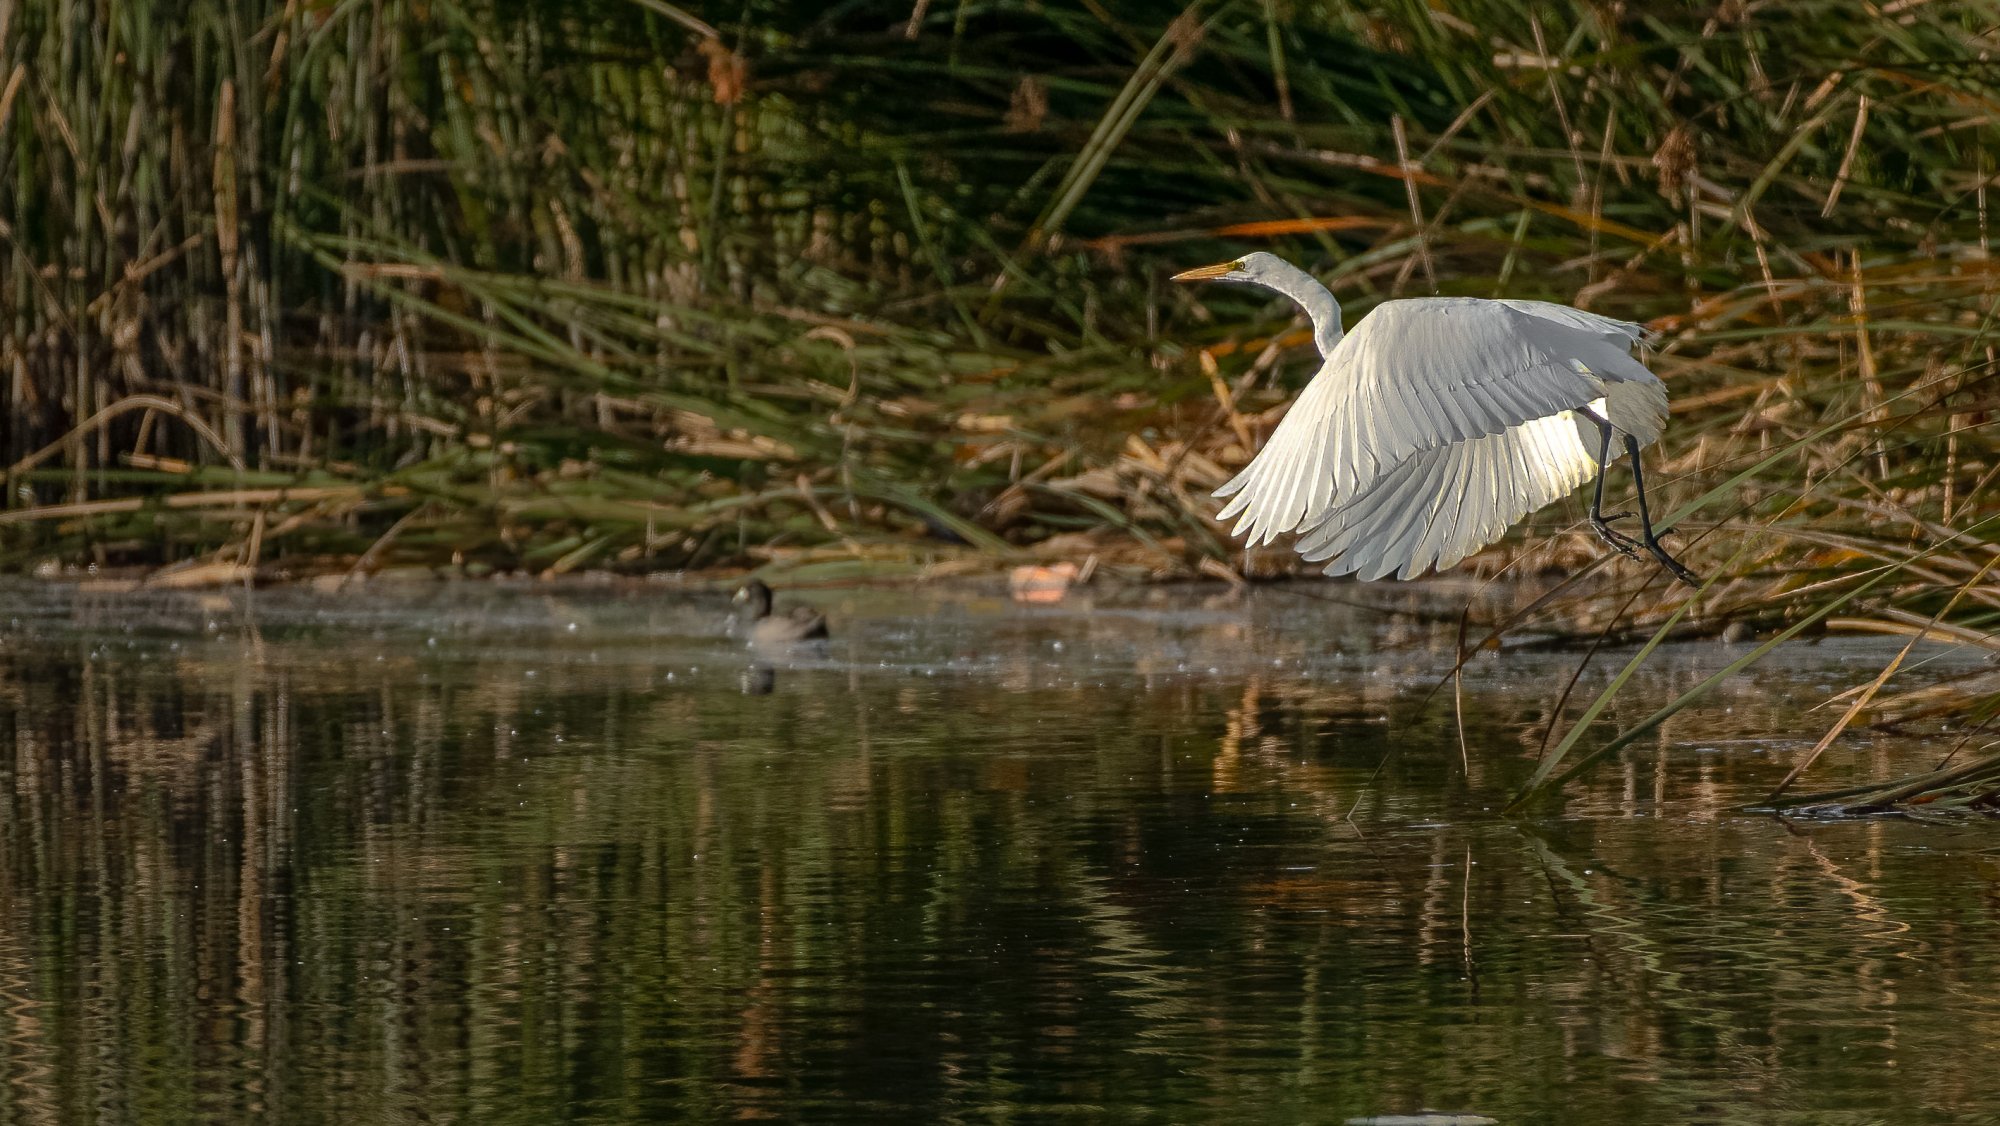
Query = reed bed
x=645 y=286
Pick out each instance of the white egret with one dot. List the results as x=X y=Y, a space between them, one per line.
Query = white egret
x=1440 y=421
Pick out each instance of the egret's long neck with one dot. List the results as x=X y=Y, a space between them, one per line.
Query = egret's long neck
x=1314 y=298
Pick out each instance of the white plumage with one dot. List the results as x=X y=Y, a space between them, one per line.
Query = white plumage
x=1439 y=422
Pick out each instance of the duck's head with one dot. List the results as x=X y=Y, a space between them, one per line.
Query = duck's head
x=754 y=597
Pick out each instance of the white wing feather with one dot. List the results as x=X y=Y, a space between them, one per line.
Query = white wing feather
x=1436 y=424
x=1444 y=504
x=1624 y=334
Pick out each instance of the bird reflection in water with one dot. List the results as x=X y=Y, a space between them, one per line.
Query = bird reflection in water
x=757 y=679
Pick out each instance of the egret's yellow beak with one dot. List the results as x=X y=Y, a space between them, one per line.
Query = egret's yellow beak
x=1203 y=273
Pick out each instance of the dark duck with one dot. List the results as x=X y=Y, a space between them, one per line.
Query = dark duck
x=798 y=623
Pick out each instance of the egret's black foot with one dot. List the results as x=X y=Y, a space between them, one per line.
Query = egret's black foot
x=1672 y=565
x=1620 y=542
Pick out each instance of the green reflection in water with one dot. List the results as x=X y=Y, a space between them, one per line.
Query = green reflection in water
x=490 y=856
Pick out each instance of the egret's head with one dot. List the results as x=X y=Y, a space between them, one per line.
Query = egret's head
x=1274 y=273
x=1257 y=268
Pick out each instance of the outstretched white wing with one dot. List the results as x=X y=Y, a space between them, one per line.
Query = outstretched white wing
x=1624 y=334
x=1444 y=504
x=1422 y=375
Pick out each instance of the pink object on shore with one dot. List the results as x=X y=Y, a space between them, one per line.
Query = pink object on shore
x=1032 y=583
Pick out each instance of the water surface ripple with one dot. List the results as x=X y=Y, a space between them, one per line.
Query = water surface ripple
x=491 y=854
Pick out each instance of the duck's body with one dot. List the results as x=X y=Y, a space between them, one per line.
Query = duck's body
x=1439 y=422
x=766 y=628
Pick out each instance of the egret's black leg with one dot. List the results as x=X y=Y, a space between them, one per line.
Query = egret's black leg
x=1648 y=539
x=1623 y=544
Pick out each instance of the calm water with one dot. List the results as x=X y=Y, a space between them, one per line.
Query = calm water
x=485 y=855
